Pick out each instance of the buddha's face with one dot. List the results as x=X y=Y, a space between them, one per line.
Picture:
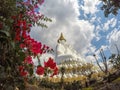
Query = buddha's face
x=62 y=41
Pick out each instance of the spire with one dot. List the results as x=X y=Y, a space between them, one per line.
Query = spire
x=61 y=38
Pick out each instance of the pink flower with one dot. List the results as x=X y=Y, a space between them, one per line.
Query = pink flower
x=36 y=6
x=40 y=2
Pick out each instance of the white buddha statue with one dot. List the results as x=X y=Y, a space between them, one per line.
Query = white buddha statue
x=68 y=58
x=63 y=50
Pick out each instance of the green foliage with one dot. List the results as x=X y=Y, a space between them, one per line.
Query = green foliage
x=11 y=55
x=115 y=60
x=31 y=71
x=116 y=80
x=89 y=88
x=110 y=6
x=76 y=85
x=7 y=8
x=45 y=19
x=41 y=24
x=49 y=85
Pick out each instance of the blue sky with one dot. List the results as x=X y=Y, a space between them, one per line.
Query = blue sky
x=103 y=33
x=83 y=24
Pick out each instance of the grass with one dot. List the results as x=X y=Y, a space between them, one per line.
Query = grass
x=89 y=88
x=116 y=80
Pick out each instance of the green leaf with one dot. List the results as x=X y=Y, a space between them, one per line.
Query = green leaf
x=13 y=44
x=5 y=32
x=31 y=71
x=30 y=65
x=21 y=55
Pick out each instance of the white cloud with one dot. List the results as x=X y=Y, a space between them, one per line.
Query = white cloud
x=110 y=23
x=97 y=30
x=114 y=40
x=104 y=47
x=90 y=6
x=64 y=14
x=98 y=27
x=90 y=59
x=113 y=22
x=93 y=19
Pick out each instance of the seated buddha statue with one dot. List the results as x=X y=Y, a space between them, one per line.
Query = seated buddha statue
x=63 y=50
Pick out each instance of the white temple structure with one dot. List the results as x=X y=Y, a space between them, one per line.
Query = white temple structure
x=65 y=52
x=68 y=58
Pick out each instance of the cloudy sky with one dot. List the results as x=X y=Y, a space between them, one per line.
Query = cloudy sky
x=83 y=25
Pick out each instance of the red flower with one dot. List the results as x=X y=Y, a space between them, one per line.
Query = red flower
x=32 y=45
x=28 y=60
x=23 y=73
x=22 y=45
x=55 y=72
x=21 y=68
x=24 y=35
x=17 y=38
x=47 y=47
x=40 y=70
x=36 y=47
x=50 y=63
x=30 y=25
x=13 y=17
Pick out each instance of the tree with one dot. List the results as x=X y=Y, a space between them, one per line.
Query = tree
x=104 y=62
x=110 y=6
x=115 y=59
x=16 y=45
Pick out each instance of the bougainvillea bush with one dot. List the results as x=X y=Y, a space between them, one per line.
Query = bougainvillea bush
x=17 y=48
